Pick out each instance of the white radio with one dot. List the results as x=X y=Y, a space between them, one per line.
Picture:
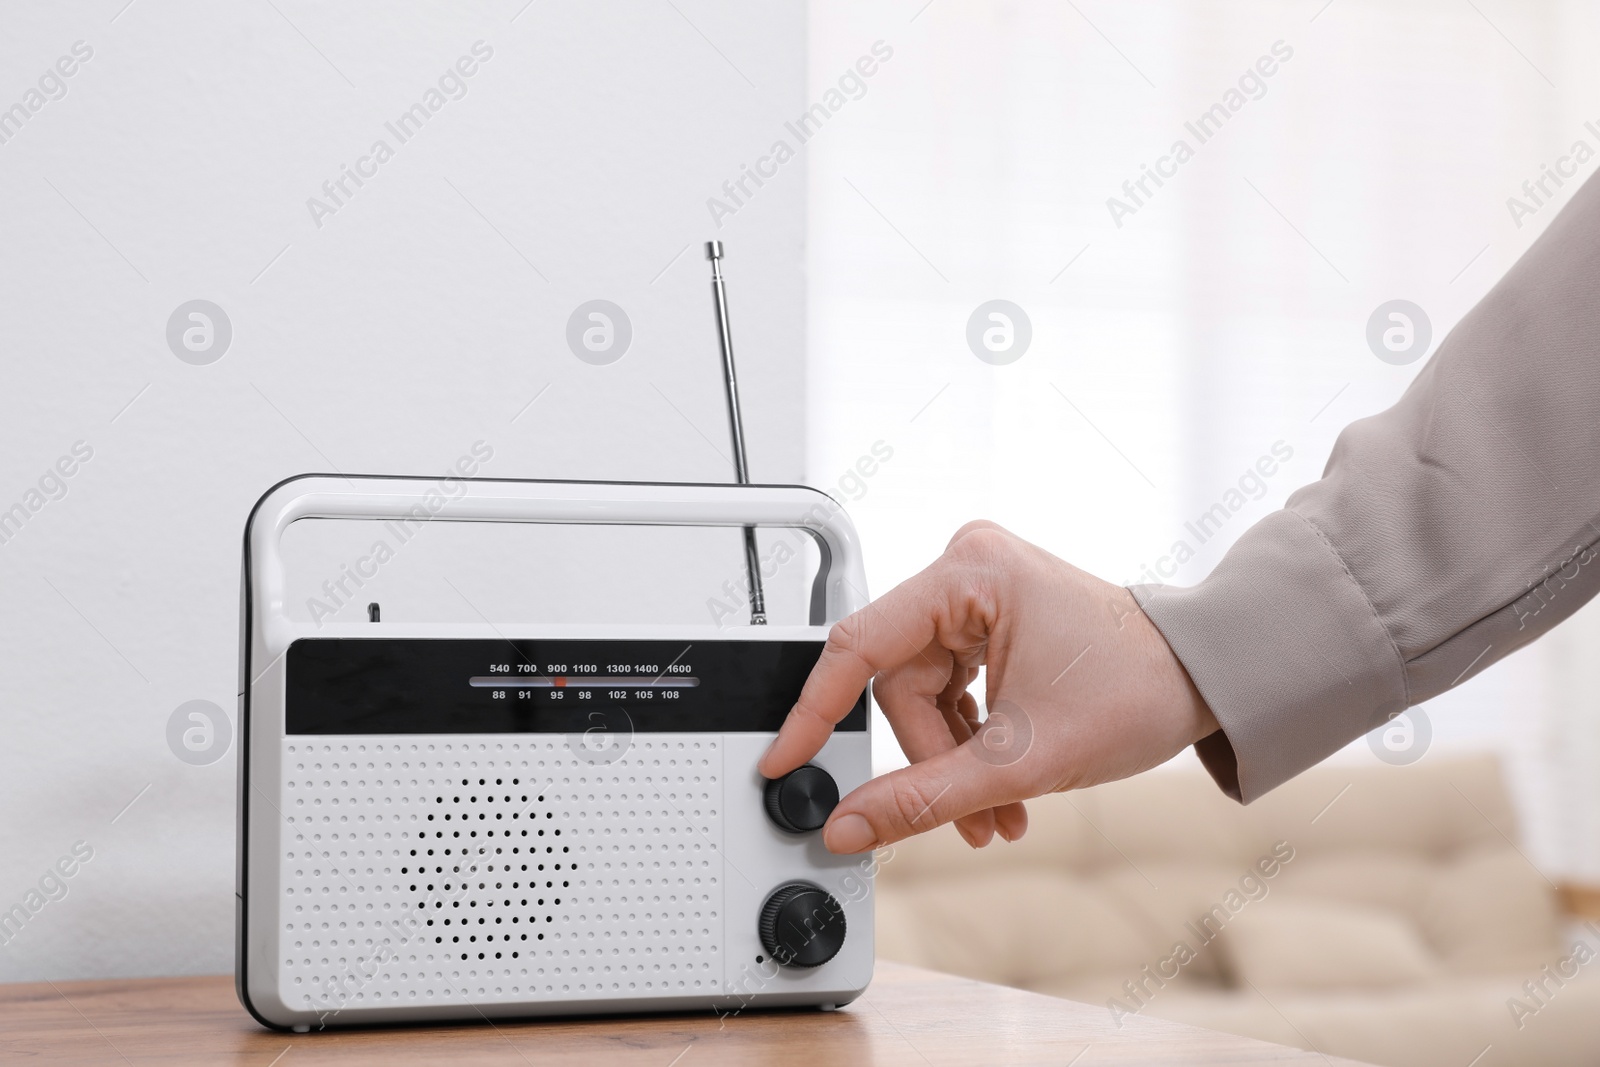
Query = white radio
x=462 y=821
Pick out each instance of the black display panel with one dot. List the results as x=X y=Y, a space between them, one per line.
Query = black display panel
x=448 y=686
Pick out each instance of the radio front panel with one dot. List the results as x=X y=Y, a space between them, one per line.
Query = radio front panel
x=453 y=826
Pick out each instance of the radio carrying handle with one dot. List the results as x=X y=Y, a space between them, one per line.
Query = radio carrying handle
x=839 y=589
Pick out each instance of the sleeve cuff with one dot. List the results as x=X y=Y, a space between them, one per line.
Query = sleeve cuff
x=1286 y=648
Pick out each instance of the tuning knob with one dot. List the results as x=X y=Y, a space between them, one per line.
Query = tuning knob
x=802 y=800
x=802 y=926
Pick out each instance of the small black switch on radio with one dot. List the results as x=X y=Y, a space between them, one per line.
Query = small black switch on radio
x=802 y=926
x=802 y=800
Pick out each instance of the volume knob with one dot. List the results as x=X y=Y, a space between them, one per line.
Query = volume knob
x=802 y=800
x=802 y=926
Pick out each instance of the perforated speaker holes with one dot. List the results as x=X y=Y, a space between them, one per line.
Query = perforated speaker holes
x=498 y=869
x=475 y=881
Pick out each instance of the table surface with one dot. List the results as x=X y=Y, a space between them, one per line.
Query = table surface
x=908 y=1015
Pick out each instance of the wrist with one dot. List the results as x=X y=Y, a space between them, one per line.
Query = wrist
x=1173 y=694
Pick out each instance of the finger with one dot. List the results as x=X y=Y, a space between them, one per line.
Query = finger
x=963 y=705
x=1011 y=820
x=961 y=717
x=912 y=697
x=923 y=701
x=976 y=828
x=915 y=799
x=886 y=633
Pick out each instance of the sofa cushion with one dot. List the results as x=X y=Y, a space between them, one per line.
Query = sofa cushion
x=1057 y=839
x=1313 y=943
x=1385 y=879
x=1430 y=810
x=1489 y=907
x=1175 y=900
x=1197 y=822
x=1025 y=928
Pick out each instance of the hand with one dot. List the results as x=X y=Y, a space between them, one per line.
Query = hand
x=1081 y=689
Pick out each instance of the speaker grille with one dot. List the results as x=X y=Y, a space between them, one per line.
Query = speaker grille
x=499 y=869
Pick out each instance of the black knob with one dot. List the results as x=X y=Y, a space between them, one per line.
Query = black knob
x=802 y=800
x=802 y=926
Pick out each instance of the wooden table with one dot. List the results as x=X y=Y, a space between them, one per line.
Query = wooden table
x=908 y=1016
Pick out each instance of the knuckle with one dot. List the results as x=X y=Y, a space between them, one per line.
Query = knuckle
x=891 y=687
x=972 y=527
x=845 y=636
x=808 y=717
x=913 y=805
x=982 y=543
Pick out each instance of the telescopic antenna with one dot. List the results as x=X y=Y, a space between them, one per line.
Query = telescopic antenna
x=741 y=469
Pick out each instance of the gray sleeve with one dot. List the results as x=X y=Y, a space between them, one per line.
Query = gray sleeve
x=1445 y=533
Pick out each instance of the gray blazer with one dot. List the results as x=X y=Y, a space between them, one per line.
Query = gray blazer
x=1445 y=533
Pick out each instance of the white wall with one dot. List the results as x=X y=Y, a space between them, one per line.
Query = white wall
x=421 y=317
x=1226 y=314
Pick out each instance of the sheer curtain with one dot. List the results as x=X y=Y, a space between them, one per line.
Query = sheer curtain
x=1190 y=330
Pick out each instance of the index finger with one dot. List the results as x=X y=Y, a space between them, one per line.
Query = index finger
x=889 y=631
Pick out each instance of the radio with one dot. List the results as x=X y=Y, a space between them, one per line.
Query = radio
x=456 y=822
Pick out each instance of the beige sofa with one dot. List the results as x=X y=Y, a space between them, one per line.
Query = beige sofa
x=1384 y=914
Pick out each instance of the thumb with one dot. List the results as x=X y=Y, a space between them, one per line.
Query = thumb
x=915 y=799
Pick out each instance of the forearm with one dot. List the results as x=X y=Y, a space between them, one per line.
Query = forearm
x=1444 y=534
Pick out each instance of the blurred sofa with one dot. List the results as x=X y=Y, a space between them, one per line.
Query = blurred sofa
x=1380 y=913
